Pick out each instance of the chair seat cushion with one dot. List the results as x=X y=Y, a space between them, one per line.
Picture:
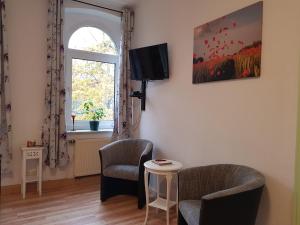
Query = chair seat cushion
x=126 y=172
x=190 y=210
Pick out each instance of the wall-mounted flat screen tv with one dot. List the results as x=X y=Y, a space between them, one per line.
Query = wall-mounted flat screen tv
x=149 y=63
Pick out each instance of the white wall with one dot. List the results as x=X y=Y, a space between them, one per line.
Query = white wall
x=250 y=122
x=27 y=23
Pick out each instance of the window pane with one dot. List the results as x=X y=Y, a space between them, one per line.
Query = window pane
x=92 y=81
x=92 y=39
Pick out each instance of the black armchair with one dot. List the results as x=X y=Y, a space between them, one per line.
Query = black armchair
x=122 y=168
x=219 y=195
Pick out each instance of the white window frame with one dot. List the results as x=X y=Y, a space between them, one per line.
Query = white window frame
x=91 y=56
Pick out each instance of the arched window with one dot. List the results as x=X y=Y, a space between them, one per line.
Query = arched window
x=92 y=39
x=91 y=61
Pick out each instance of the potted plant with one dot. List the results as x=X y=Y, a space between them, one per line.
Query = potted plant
x=94 y=114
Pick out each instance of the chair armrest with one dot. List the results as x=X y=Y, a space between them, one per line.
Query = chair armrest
x=231 y=206
x=259 y=183
x=145 y=156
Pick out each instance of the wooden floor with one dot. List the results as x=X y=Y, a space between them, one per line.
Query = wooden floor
x=73 y=202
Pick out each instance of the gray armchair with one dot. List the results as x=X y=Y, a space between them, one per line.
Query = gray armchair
x=122 y=168
x=219 y=195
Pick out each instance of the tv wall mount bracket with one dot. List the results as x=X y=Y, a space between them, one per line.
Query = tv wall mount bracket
x=141 y=95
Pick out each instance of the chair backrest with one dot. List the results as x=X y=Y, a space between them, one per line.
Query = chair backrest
x=127 y=151
x=133 y=149
x=228 y=175
x=196 y=182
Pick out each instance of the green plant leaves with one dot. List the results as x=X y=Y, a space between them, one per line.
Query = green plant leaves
x=92 y=112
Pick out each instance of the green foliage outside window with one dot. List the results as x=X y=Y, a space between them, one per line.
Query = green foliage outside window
x=92 y=82
x=92 y=112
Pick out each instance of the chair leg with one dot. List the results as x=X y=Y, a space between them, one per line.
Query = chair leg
x=141 y=202
x=103 y=196
x=141 y=196
x=181 y=220
x=113 y=186
x=106 y=189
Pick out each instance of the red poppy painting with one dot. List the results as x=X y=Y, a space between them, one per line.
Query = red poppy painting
x=229 y=47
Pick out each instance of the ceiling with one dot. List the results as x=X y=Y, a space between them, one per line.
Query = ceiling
x=123 y=2
x=114 y=3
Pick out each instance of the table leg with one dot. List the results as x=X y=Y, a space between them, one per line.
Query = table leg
x=40 y=176
x=176 y=194
x=169 y=180
x=146 y=177
x=23 y=177
x=157 y=190
x=157 y=186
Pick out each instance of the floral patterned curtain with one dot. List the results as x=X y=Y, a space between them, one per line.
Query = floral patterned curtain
x=54 y=127
x=5 y=112
x=123 y=114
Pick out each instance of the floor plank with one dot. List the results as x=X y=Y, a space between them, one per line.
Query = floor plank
x=73 y=202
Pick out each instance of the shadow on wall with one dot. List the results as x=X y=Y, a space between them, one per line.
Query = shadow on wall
x=264 y=208
x=282 y=192
x=157 y=154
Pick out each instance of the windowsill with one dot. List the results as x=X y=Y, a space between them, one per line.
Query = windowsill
x=89 y=131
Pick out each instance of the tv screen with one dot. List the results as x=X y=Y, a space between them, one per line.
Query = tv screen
x=149 y=63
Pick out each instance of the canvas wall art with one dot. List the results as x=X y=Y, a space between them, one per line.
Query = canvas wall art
x=229 y=47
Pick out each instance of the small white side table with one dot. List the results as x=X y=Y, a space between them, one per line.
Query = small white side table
x=29 y=153
x=169 y=171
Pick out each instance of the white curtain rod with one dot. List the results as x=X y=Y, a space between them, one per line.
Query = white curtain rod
x=98 y=6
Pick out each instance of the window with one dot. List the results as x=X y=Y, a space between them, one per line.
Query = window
x=91 y=62
x=92 y=81
x=93 y=40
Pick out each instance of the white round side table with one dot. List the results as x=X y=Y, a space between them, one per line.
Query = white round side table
x=169 y=171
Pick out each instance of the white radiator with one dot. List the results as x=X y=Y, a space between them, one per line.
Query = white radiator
x=86 y=156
